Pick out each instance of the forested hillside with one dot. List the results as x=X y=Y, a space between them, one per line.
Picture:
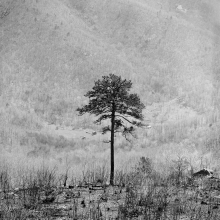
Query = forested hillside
x=52 y=51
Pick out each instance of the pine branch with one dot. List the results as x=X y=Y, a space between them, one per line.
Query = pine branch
x=101 y=118
x=124 y=118
x=107 y=142
x=106 y=129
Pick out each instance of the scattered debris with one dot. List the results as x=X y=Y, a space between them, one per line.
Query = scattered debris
x=83 y=203
x=204 y=203
x=93 y=133
x=48 y=200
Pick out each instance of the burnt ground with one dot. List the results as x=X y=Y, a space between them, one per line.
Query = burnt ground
x=107 y=202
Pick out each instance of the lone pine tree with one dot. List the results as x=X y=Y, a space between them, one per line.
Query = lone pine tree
x=110 y=100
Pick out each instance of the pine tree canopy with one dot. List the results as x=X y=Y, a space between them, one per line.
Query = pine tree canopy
x=110 y=99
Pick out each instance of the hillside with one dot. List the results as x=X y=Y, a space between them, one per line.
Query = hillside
x=52 y=51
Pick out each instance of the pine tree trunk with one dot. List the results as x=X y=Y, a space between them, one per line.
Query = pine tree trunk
x=112 y=148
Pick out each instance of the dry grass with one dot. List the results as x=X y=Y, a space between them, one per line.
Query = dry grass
x=141 y=193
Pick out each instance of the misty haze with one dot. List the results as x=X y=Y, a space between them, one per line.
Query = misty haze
x=110 y=109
